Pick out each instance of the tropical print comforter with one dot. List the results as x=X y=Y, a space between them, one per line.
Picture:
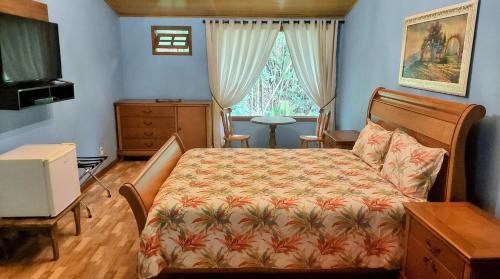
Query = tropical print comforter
x=283 y=209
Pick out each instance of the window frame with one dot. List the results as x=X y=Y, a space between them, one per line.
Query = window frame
x=155 y=41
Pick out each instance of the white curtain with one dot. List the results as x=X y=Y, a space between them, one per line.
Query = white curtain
x=313 y=49
x=237 y=53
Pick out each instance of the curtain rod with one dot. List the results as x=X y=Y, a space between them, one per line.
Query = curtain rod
x=274 y=21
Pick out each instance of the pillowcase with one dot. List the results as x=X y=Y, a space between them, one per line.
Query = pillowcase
x=372 y=144
x=410 y=166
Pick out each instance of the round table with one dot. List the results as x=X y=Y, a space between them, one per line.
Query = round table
x=273 y=121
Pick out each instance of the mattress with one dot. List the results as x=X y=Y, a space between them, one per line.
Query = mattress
x=265 y=209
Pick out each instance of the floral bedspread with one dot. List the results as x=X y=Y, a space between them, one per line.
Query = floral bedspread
x=262 y=208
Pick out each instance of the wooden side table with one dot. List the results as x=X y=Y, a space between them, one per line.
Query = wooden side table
x=450 y=240
x=340 y=139
x=273 y=122
x=45 y=224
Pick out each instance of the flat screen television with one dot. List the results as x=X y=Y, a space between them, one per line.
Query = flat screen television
x=29 y=50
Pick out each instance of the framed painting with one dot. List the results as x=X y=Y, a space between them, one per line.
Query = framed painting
x=437 y=48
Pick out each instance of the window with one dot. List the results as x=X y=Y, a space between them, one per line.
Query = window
x=171 y=40
x=277 y=91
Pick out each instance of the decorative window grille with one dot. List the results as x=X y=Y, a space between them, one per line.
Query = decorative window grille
x=171 y=40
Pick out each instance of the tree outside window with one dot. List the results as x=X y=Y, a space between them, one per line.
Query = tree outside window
x=277 y=91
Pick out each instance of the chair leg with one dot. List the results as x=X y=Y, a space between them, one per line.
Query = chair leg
x=242 y=143
x=321 y=145
x=306 y=143
x=248 y=145
x=301 y=144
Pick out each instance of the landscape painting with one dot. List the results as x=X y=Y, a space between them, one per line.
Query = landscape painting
x=437 y=49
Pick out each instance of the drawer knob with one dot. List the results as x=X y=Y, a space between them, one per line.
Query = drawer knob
x=427 y=260
x=147 y=111
x=435 y=251
x=148 y=123
x=148 y=134
x=148 y=144
x=434 y=268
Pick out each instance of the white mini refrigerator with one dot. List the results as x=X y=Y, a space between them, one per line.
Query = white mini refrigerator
x=38 y=180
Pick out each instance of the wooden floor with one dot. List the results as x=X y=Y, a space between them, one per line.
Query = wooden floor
x=107 y=247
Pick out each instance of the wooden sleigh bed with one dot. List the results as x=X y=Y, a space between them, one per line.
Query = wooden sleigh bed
x=433 y=122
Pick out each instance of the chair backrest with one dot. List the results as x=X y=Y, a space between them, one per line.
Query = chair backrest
x=226 y=121
x=322 y=123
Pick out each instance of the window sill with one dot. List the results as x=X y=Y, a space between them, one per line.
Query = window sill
x=298 y=118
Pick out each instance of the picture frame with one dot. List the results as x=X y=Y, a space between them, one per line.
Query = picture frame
x=437 y=49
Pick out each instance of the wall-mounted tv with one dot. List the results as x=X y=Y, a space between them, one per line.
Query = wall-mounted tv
x=29 y=50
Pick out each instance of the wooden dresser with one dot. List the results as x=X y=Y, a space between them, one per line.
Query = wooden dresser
x=451 y=240
x=143 y=126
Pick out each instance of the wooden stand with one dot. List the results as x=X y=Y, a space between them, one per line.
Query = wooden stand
x=45 y=224
x=143 y=126
x=450 y=240
x=340 y=139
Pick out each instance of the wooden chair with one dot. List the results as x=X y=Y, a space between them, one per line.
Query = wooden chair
x=228 y=132
x=321 y=126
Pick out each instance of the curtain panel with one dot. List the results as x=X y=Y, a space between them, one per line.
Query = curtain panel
x=237 y=53
x=313 y=49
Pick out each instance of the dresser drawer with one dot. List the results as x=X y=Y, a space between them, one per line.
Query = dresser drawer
x=436 y=247
x=148 y=122
x=147 y=133
x=421 y=264
x=148 y=144
x=147 y=111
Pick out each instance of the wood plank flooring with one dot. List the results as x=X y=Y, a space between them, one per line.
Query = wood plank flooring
x=107 y=247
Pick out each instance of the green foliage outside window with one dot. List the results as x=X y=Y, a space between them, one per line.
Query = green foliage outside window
x=277 y=91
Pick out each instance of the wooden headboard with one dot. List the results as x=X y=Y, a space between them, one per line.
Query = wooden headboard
x=434 y=123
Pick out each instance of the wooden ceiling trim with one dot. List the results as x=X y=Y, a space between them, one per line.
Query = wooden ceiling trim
x=233 y=8
x=25 y=8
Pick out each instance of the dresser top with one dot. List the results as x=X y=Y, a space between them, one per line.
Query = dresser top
x=473 y=232
x=163 y=102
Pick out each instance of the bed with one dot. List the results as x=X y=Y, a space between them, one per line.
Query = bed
x=304 y=210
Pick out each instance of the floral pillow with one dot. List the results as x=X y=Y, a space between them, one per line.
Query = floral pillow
x=410 y=166
x=372 y=144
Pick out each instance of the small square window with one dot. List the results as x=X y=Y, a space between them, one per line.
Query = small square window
x=171 y=40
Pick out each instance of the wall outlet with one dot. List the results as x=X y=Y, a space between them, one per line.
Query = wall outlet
x=101 y=150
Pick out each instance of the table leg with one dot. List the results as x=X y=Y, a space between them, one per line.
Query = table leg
x=3 y=249
x=272 y=136
x=76 y=215
x=54 y=236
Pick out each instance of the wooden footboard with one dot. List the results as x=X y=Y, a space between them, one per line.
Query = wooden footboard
x=141 y=192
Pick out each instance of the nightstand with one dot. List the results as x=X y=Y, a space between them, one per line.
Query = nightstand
x=340 y=139
x=450 y=240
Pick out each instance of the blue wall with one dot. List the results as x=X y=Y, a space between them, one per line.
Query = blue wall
x=163 y=76
x=370 y=57
x=90 y=50
x=169 y=76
